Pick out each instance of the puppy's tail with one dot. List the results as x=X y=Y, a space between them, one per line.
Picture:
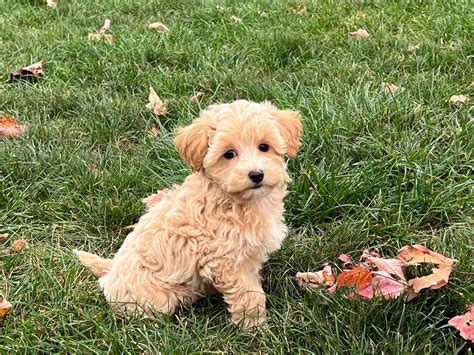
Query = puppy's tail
x=99 y=266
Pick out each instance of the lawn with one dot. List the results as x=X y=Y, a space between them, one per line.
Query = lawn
x=376 y=170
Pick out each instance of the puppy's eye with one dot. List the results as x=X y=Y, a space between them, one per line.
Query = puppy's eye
x=263 y=147
x=230 y=154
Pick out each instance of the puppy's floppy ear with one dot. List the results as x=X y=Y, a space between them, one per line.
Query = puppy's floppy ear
x=290 y=126
x=192 y=142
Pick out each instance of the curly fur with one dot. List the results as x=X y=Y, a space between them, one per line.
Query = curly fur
x=213 y=232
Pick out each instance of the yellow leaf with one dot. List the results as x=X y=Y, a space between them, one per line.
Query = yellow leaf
x=155 y=104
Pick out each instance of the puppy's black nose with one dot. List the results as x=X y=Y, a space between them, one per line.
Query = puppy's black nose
x=256 y=176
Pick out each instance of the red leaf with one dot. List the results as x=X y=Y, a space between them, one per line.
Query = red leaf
x=465 y=324
x=359 y=277
x=10 y=128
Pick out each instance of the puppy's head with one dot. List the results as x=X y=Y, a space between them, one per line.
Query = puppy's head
x=241 y=146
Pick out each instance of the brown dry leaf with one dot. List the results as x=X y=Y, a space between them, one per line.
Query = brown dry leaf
x=155 y=104
x=236 y=19
x=154 y=131
x=10 y=128
x=437 y=279
x=471 y=85
x=3 y=237
x=158 y=27
x=51 y=4
x=5 y=307
x=153 y=199
x=31 y=72
x=390 y=88
x=359 y=34
x=458 y=100
x=315 y=279
x=418 y=254
x=195 y=98
x=18 y=245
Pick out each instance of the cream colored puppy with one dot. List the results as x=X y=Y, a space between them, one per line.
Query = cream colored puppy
x=213 y=232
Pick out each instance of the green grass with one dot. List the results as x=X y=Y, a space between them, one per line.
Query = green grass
x=375 y=171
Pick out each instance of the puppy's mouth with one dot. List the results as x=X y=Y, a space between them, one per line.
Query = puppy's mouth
x=257 y=186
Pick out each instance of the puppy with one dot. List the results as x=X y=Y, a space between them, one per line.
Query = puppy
x=213 y=232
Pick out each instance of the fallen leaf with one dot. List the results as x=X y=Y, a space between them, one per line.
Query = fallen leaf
x=31 y=72
x=390 y=88
x=346 y=259
x=153 y=199
x=5 y=307
x=3 y=237
x=392 y=266
x=195 y=98
x=106 y=26
x=155 y=104
x=18 y=245
x=51 y=4
x=358 y=277
x=382 y=284
x=465 y=324
x=236 y=19
x=458 y=100
x=158 y=26
x=437 y=279
x=154 y=131
x=315 y=279
x=418 y=254
x=471 y=85
x=10 y=128
x=99 y=37
x=262 y=14
x=359 y=34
